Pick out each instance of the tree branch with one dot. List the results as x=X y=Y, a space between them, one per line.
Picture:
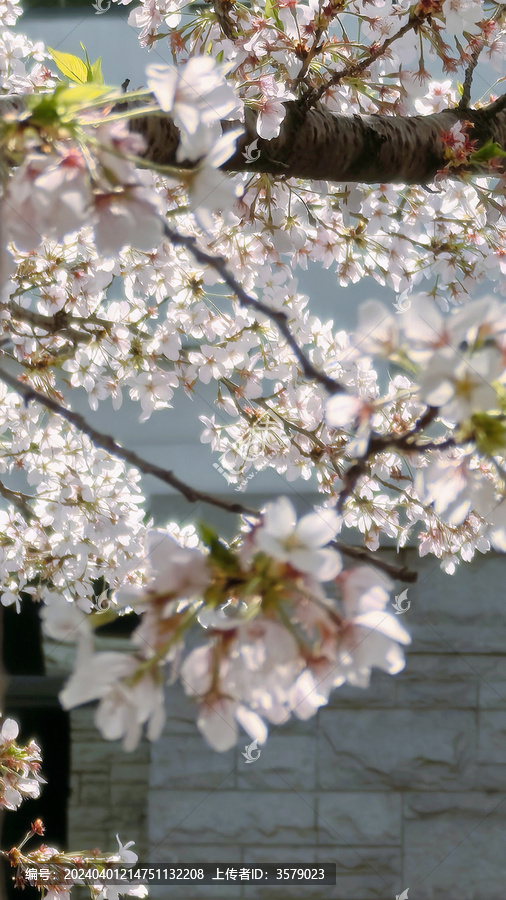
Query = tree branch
x=106 y=442
x=280 y=318
x=465 y=100
x=400 y=573
x=498 y=106
x=59 y=324
x=17 y=499
x=317 y=144
x=222 y=13
x=378 y=443
x=312 y=96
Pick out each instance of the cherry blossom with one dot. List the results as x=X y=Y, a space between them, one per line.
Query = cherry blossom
x=58 y=893
x=459 y=14
x=372 y=634
x=20 y=767
x=127 y=218
x=197 y=96
x=301 y=544
x=207 y=188
x=125 y=707
x=271 y=107
x=461 y=386
x=48 y=197
x=173 y=570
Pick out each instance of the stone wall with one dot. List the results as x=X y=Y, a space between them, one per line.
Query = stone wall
x=402 y=785
x=108 y=788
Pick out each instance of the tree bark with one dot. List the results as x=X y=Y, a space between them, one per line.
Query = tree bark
x=317 y=144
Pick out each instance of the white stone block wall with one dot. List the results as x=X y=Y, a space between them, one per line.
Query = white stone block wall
x=402 y=785
x=108 y=788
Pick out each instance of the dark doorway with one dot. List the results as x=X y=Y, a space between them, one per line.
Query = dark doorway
x=32 y=699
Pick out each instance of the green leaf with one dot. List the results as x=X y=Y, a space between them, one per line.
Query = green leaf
x=219 y=552
x=226 y=559
x=490 y=150
x=272 y=13
x=70 y=66
x=44 y=107
x=83 y=48
x=81 y=95
x=206 y=534
x=96 y=72
x=489 y=432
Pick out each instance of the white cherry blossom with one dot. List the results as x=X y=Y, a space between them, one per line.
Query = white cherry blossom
x=460 y=385
x=301 y=544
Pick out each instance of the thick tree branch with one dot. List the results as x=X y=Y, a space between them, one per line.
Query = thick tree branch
x=106 y=442
x=317 y=144
x=496 y=107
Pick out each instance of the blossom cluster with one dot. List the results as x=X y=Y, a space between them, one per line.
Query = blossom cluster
x=20 y=778
x=272 y=644
x=81 y=520
x=269 y=47
x=457 y=371
x=20 y=775
x=16 y=52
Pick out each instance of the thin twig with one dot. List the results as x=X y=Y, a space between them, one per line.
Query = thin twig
x=17 y=499
x=465 y=100
x=312 y=96
x=279 y=317
x=400 y=573
x=106 y=442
